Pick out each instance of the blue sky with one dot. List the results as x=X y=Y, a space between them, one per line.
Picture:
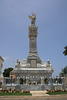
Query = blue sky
x=52 y=31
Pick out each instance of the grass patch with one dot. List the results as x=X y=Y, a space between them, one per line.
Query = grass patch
x=56 y=93
x=15 y=94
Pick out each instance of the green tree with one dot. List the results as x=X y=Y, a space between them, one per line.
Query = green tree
x=64 y=72
x=7 y=72
x=65 y=51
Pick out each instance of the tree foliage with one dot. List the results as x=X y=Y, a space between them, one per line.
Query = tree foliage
x=65 y=51
x=64 y=72
x=7 y=72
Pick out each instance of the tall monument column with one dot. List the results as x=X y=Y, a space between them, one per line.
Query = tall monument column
x=32 y=29
x=33 y=57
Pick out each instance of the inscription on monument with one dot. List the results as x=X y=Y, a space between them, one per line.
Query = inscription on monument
x=33 y=63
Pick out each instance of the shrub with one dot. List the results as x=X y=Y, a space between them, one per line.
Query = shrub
x=49 y=91
x=46 y=81
x=26 y=91
x=17 y=91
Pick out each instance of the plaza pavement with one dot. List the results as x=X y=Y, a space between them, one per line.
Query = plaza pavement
x=59 y=97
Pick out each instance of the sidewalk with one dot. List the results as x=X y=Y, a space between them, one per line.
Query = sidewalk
x=58 y=97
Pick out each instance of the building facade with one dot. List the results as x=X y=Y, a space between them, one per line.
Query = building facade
x=1 y=76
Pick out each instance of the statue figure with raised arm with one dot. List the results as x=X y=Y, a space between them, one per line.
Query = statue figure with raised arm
x=33 y=18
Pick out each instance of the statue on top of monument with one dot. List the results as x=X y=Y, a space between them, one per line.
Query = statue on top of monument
x=18 y=61
x=33 y=18
x=17 y=65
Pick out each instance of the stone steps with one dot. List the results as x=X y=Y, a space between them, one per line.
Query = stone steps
x=39 y=93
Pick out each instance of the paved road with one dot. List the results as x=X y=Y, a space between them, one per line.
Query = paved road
x=64 y=97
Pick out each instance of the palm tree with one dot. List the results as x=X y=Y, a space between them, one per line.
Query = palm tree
x=65 y=51
x=64 y=72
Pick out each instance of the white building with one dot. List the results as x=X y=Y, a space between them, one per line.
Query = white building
x=1 y=65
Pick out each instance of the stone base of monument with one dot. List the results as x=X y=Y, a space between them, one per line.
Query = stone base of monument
x=17 y=87
x=42 y=87
x=4 y=87
x=32 y=87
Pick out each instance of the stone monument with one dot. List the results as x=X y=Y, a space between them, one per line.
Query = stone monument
x=33 y=70
x=31 y=73
x=33 y=57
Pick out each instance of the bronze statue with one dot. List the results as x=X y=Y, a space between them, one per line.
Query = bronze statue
x=33 y=18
